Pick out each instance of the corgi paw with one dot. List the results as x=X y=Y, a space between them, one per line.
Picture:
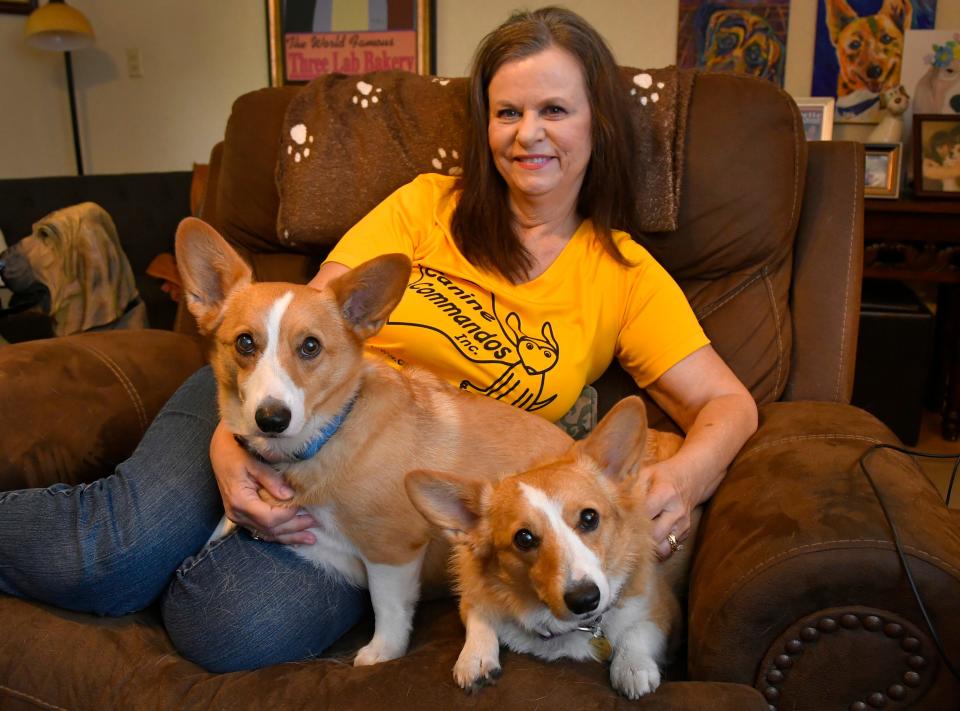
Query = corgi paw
x=634 y=676
x=375 y=652
x=473 y=672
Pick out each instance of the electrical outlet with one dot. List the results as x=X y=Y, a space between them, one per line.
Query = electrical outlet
x=134 y=64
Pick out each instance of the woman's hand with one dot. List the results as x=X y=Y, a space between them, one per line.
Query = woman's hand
x=718 y=414
x=241 y=478
x=668 y=504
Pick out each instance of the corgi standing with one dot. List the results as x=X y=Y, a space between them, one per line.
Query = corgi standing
x=298 y=389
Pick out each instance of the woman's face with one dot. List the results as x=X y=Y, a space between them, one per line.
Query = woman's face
x=539 y=126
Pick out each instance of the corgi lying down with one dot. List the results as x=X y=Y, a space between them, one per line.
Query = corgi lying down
x=558 y=561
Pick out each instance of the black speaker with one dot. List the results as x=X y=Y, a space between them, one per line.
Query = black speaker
x=893 y=356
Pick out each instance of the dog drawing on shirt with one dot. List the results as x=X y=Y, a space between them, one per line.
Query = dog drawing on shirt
x=535 y=357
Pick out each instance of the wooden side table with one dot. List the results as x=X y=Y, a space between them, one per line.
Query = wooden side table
x=919 y=239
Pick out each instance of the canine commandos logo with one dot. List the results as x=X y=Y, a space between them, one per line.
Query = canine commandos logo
x=458 y=310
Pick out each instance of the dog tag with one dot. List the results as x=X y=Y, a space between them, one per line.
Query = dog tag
x=602 y=650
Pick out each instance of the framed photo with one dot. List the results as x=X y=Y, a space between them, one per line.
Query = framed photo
x=881 y=174
x=309 y=38
x=936 y=155
x=17 y=7
x=817 y=115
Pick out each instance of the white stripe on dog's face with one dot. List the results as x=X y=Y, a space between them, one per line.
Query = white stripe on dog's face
x=269 y=379
x=582 y=563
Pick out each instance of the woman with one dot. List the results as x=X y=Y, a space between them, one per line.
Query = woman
x=531 y=226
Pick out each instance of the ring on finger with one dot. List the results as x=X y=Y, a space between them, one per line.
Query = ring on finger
x=675 y=545
x=255 y=534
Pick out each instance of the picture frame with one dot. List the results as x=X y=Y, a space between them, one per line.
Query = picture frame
x=882 y=170
x=310 y=38
x=936 y=155
x=816 y=112
x=17 y=7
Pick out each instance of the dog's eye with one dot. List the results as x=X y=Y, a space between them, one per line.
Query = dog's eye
x=886 y=39
x=589 y=520
x=524 y=540
x=245 y=344
x=309 y=348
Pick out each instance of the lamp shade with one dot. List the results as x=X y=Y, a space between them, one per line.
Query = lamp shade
x=58 y=27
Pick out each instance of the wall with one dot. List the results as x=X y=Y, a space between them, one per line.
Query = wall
x=199 y=55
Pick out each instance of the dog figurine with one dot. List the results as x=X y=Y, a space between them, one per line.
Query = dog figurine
x=890 y=129
x=558 y=561
x=75 y=265
x=298 y=389
x=938 y=90
x=869 y=52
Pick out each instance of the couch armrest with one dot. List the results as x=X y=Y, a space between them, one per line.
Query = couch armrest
x=828 y=264
x=72 y=408
x=796 y=586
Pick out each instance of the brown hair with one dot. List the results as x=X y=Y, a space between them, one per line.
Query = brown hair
x=482 y=223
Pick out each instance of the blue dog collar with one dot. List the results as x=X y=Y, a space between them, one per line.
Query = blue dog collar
x=310 y=449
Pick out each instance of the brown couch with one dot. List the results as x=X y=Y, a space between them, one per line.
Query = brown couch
x=797 y=598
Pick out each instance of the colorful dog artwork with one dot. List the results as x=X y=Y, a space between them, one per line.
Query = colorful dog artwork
x=745 y=37
x=859 y=51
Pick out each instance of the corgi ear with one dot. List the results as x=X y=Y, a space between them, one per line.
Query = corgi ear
x=839 y=15
x=210 y=269
x=368 y=293
x=618 y=443
x=451 y=502
x=900 y=11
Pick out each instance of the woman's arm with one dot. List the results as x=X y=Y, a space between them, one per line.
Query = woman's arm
x=718 y=414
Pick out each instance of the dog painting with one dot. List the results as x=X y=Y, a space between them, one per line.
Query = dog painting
x=743 y=37
x=73 y=269
x=859 y=49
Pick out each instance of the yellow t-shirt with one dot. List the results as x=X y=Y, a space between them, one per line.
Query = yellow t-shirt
x=533 y=345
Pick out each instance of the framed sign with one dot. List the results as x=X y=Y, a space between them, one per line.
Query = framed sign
x=309 y=38
x=817 y=115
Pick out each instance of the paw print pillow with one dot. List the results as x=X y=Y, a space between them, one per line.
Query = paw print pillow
x=350 y=141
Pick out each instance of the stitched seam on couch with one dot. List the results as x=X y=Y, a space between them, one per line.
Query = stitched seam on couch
x=729 y=296
x=858 y=176
x=812 y=548
x=124 y=381
x=768 y=283
x=33 y=699
x=801 y=438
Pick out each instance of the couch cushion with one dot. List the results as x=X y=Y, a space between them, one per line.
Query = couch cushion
x=246 y=200
x=55 y=659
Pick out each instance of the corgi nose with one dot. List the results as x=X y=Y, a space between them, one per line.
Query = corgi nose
x=272 y=416
x=582 y=598
x=874 y=71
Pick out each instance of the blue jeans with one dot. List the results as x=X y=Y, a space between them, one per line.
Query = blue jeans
x=134 y=538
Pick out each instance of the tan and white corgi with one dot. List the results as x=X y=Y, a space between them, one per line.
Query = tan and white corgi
x=558 y=561
x=297 y=386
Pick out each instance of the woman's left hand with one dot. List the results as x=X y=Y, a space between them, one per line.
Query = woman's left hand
x=668 y=505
